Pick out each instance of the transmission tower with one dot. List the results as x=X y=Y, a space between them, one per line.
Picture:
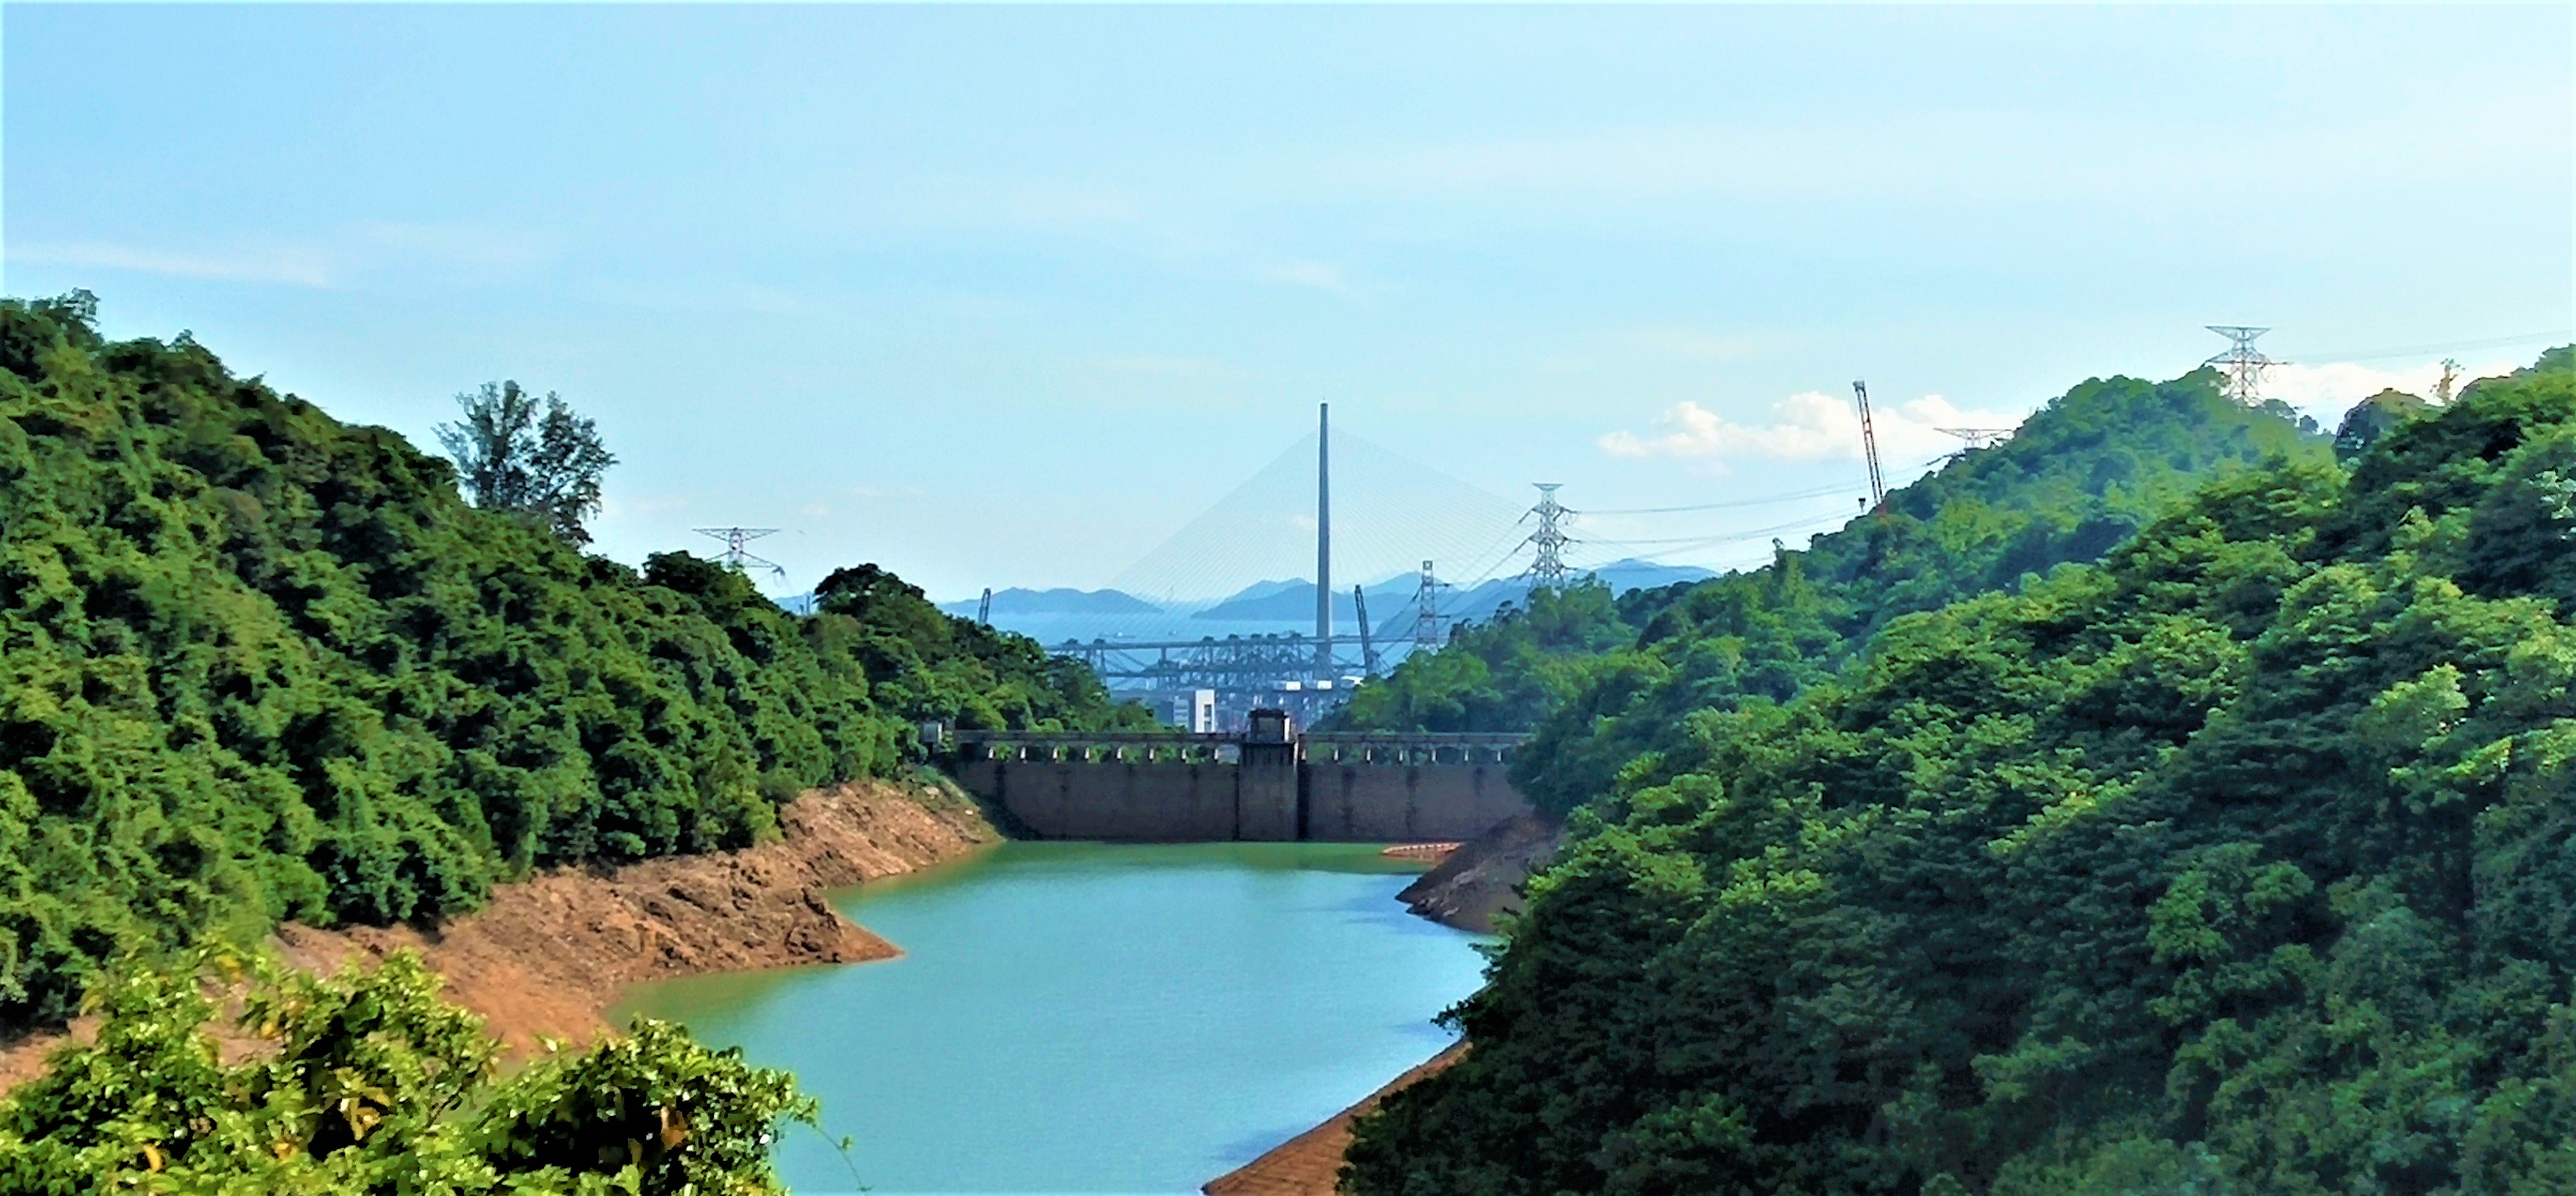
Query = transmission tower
x=1426 y=610
x=1869 y=448
x=2450 y=379
x=736 y=555
x=1547 y=562
x=2243 y=362
x=984 y=608
x=1973 y=439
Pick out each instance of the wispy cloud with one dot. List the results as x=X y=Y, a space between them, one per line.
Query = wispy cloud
x=1185 y=369
x=296 y=267
x=1810 y=426
x=1320 y=276
x=335 y=259
x=1693 y=343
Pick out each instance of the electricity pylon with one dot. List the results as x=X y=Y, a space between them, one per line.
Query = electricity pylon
x=738 y=556
x=1547 y=563
x=2243 y=362
x=1974 y=439
x=1426 y=610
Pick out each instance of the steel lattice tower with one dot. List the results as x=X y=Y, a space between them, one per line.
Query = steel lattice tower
x=1547 y=562
x=2243 y=362
x=738 y=556
x=1426 y=610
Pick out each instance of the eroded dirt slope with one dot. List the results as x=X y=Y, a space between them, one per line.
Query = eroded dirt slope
x=548 y=956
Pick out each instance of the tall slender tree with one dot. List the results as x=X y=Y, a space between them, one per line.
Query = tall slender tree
x=513 y=453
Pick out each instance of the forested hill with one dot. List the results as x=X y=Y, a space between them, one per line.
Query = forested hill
x=2243 y=862
x=2080 y=475
x=257 y=664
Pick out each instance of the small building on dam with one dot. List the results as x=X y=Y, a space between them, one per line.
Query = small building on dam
x=1268 y=783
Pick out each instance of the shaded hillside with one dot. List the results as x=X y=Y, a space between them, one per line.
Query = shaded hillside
x=257 y=664
x=2242 y=862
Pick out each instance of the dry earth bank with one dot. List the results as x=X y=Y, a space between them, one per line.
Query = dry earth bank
x=548 y=956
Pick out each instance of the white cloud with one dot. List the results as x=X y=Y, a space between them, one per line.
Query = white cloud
x=1810 y=426
x=298 y=267
x=2327 y=389
x=451 y=244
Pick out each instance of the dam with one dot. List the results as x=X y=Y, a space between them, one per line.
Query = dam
x=1270 y=783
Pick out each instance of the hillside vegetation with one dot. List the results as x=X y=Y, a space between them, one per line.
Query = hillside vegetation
x=256 y=664
x=365 y=1084
x=2081 y=474
x=2241 y=862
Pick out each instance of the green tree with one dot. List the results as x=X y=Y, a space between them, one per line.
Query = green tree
x=366 y=1083
x=542 y=461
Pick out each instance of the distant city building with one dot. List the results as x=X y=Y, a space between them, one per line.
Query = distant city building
x=1194 y=710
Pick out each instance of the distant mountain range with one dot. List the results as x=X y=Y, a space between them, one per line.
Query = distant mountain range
x=1061 y=601
x=1290 y=602
x=1294 y=601
x=1391 y=601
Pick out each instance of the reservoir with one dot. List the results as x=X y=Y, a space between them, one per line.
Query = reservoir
x=1093 y=1018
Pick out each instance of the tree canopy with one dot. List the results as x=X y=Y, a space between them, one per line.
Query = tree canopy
x=366 y=1083
x=2243 y=861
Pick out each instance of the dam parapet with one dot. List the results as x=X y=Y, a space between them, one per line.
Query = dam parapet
x=1269 y=783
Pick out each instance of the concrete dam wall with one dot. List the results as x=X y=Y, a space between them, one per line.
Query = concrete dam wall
x=1268 y=784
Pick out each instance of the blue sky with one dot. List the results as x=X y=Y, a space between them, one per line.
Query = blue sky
x=1008 y=295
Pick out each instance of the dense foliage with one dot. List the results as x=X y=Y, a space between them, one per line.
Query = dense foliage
x=2080 y=475
x=256 y=664
x=367 y=1083
x=2242 y=862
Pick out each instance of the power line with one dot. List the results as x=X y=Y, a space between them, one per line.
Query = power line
x=1727 y=537
x=2492 y=342
x=1819 y=492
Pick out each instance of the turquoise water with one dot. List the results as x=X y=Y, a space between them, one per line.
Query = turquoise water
x=1097 y=1018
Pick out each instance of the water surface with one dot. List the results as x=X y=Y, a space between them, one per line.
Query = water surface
x=1096 y=1018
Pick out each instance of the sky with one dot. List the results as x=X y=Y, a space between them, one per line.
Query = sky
x=1009 y=296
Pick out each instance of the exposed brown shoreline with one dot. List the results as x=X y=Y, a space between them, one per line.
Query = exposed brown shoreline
x=1310 y=1164
x=549 y=956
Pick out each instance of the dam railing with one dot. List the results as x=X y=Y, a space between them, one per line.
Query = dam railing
x=1373 y=747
